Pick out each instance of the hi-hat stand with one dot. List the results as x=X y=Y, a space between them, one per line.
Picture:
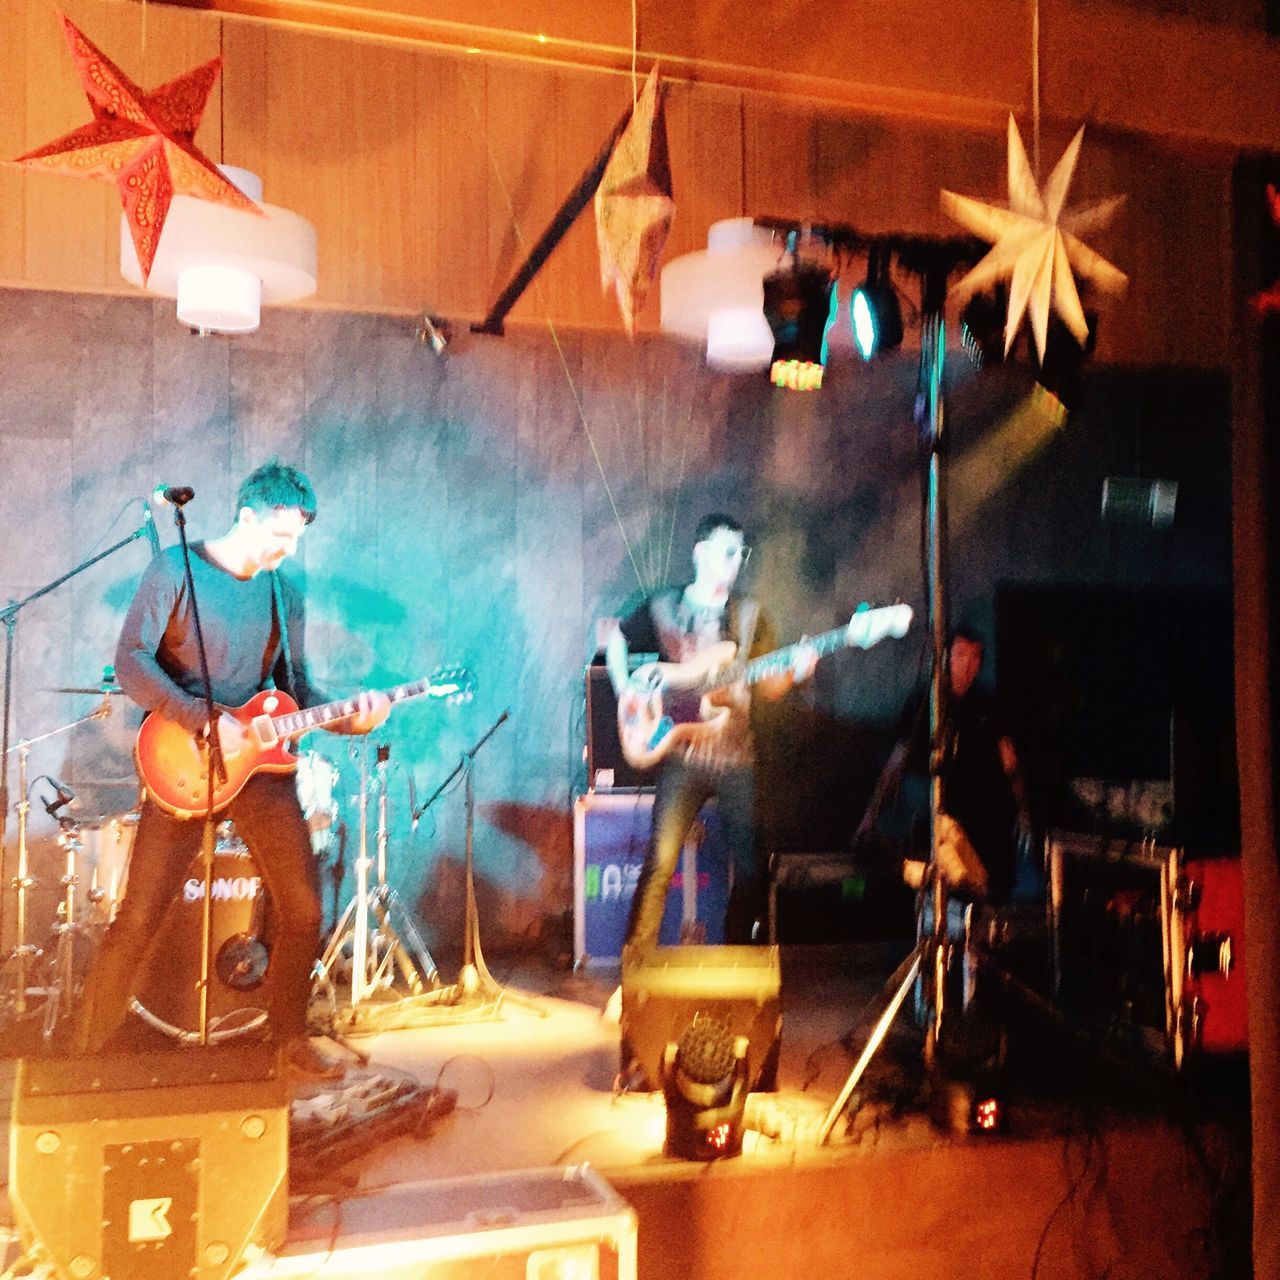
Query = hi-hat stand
x=375 y=932
x=24 y=952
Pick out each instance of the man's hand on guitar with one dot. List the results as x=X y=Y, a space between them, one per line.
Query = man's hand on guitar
x=231 y=734
x=374 y=708
x=804 y=661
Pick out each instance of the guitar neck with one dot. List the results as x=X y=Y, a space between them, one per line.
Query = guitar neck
x=300 y=722
x=779 y=660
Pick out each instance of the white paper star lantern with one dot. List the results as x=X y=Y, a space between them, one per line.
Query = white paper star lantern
x=1035 y=245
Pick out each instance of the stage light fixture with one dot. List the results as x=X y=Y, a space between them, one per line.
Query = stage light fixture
x=799 y=304
x=874 y=310
x=704 y=1084
x=988 y=1114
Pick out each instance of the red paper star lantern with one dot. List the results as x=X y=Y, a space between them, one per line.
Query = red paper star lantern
x=143 y=142
x=1267 y=302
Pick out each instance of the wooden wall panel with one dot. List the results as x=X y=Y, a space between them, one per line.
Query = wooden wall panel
x=780 y=159
x=520 y=114
x=455 y=206
x=13 y=138
x=573 y=270
x=383 y=190
x=409 y=162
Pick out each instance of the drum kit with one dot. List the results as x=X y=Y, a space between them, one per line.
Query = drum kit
x=42 y=980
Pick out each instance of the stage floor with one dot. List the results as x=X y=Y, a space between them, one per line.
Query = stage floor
x=1099 y=1171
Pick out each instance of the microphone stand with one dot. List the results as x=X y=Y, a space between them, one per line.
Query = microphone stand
x=475 y=980
x=9 y=616
x=216 y=770
x=931 y=957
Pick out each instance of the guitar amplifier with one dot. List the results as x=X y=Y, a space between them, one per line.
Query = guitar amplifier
x=607 y=770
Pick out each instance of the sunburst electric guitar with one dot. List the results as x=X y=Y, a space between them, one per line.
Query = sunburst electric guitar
x=668 y=703
x=173 y=763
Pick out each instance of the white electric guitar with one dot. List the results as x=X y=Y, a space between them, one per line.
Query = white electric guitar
x=667 y=703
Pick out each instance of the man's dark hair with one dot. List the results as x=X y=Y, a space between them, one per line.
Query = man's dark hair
x=709 y=524
x=276 y=484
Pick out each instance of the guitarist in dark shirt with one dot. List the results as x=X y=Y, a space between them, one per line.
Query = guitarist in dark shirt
x=242 y=604
x=678 y=623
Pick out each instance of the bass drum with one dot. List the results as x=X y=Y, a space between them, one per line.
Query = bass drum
x=168 y=997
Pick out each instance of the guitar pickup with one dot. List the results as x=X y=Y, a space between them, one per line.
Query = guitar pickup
x=264 y=731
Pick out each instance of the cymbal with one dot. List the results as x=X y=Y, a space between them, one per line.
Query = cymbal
x=105 y=690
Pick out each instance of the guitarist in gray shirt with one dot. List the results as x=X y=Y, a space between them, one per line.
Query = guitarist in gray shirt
x=241 y=605
x=678 y=623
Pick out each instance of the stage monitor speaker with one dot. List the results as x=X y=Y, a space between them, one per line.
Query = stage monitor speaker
x=606 y=767
x=163 y=1167
x=663 y=990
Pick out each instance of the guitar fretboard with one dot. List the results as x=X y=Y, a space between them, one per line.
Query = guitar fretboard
x=876 y=621
x=298 y=722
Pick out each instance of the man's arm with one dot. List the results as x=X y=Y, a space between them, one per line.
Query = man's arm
x=616 y=655
x=140 y=674
x=890 y=777
x=375 y=707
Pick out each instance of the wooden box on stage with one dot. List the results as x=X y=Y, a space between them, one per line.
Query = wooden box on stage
x=610 y=838
x=535 y=1224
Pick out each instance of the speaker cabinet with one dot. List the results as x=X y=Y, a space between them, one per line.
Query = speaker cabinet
x=661 y=992
x=610 y=838
x=164 y=1167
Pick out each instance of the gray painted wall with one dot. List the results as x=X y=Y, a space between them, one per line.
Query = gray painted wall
x=467 y=514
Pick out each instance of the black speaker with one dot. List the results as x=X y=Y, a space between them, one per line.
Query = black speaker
x=663 y=990
x=606 y=767
x=159 y=1167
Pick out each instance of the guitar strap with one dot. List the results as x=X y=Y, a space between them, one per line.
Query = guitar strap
x=282 y=623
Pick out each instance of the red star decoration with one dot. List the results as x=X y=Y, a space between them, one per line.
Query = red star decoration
x=143 y=142
x=1267 y=302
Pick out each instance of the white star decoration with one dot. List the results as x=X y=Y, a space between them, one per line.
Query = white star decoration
x=1034 y=245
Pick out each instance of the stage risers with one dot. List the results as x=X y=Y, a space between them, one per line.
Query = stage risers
x=972 y=1209
x=1101 y=1163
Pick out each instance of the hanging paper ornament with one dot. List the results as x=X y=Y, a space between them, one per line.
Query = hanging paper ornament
x=634 y=206
x=1267 y=302
x=143 y=142
x=1034 y=245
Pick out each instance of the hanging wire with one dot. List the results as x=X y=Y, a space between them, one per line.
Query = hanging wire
x=555 y=336
x=635 y=44
x=1035 y=87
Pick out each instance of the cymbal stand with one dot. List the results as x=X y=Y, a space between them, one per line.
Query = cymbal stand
x=23 y=951
x=376 y=948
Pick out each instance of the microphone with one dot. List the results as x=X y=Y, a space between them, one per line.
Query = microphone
x=149 y=523
x=173 y=495
x=64 y=796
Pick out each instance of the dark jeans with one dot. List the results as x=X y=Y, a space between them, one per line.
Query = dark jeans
x=269 y=820
x=682 y=789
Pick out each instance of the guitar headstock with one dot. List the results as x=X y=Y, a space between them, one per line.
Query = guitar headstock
x=869 y=626
x=454 y=684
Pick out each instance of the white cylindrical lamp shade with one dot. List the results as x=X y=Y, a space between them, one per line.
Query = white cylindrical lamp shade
x=723 y=281
x=222 y=263
x=739 y=339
